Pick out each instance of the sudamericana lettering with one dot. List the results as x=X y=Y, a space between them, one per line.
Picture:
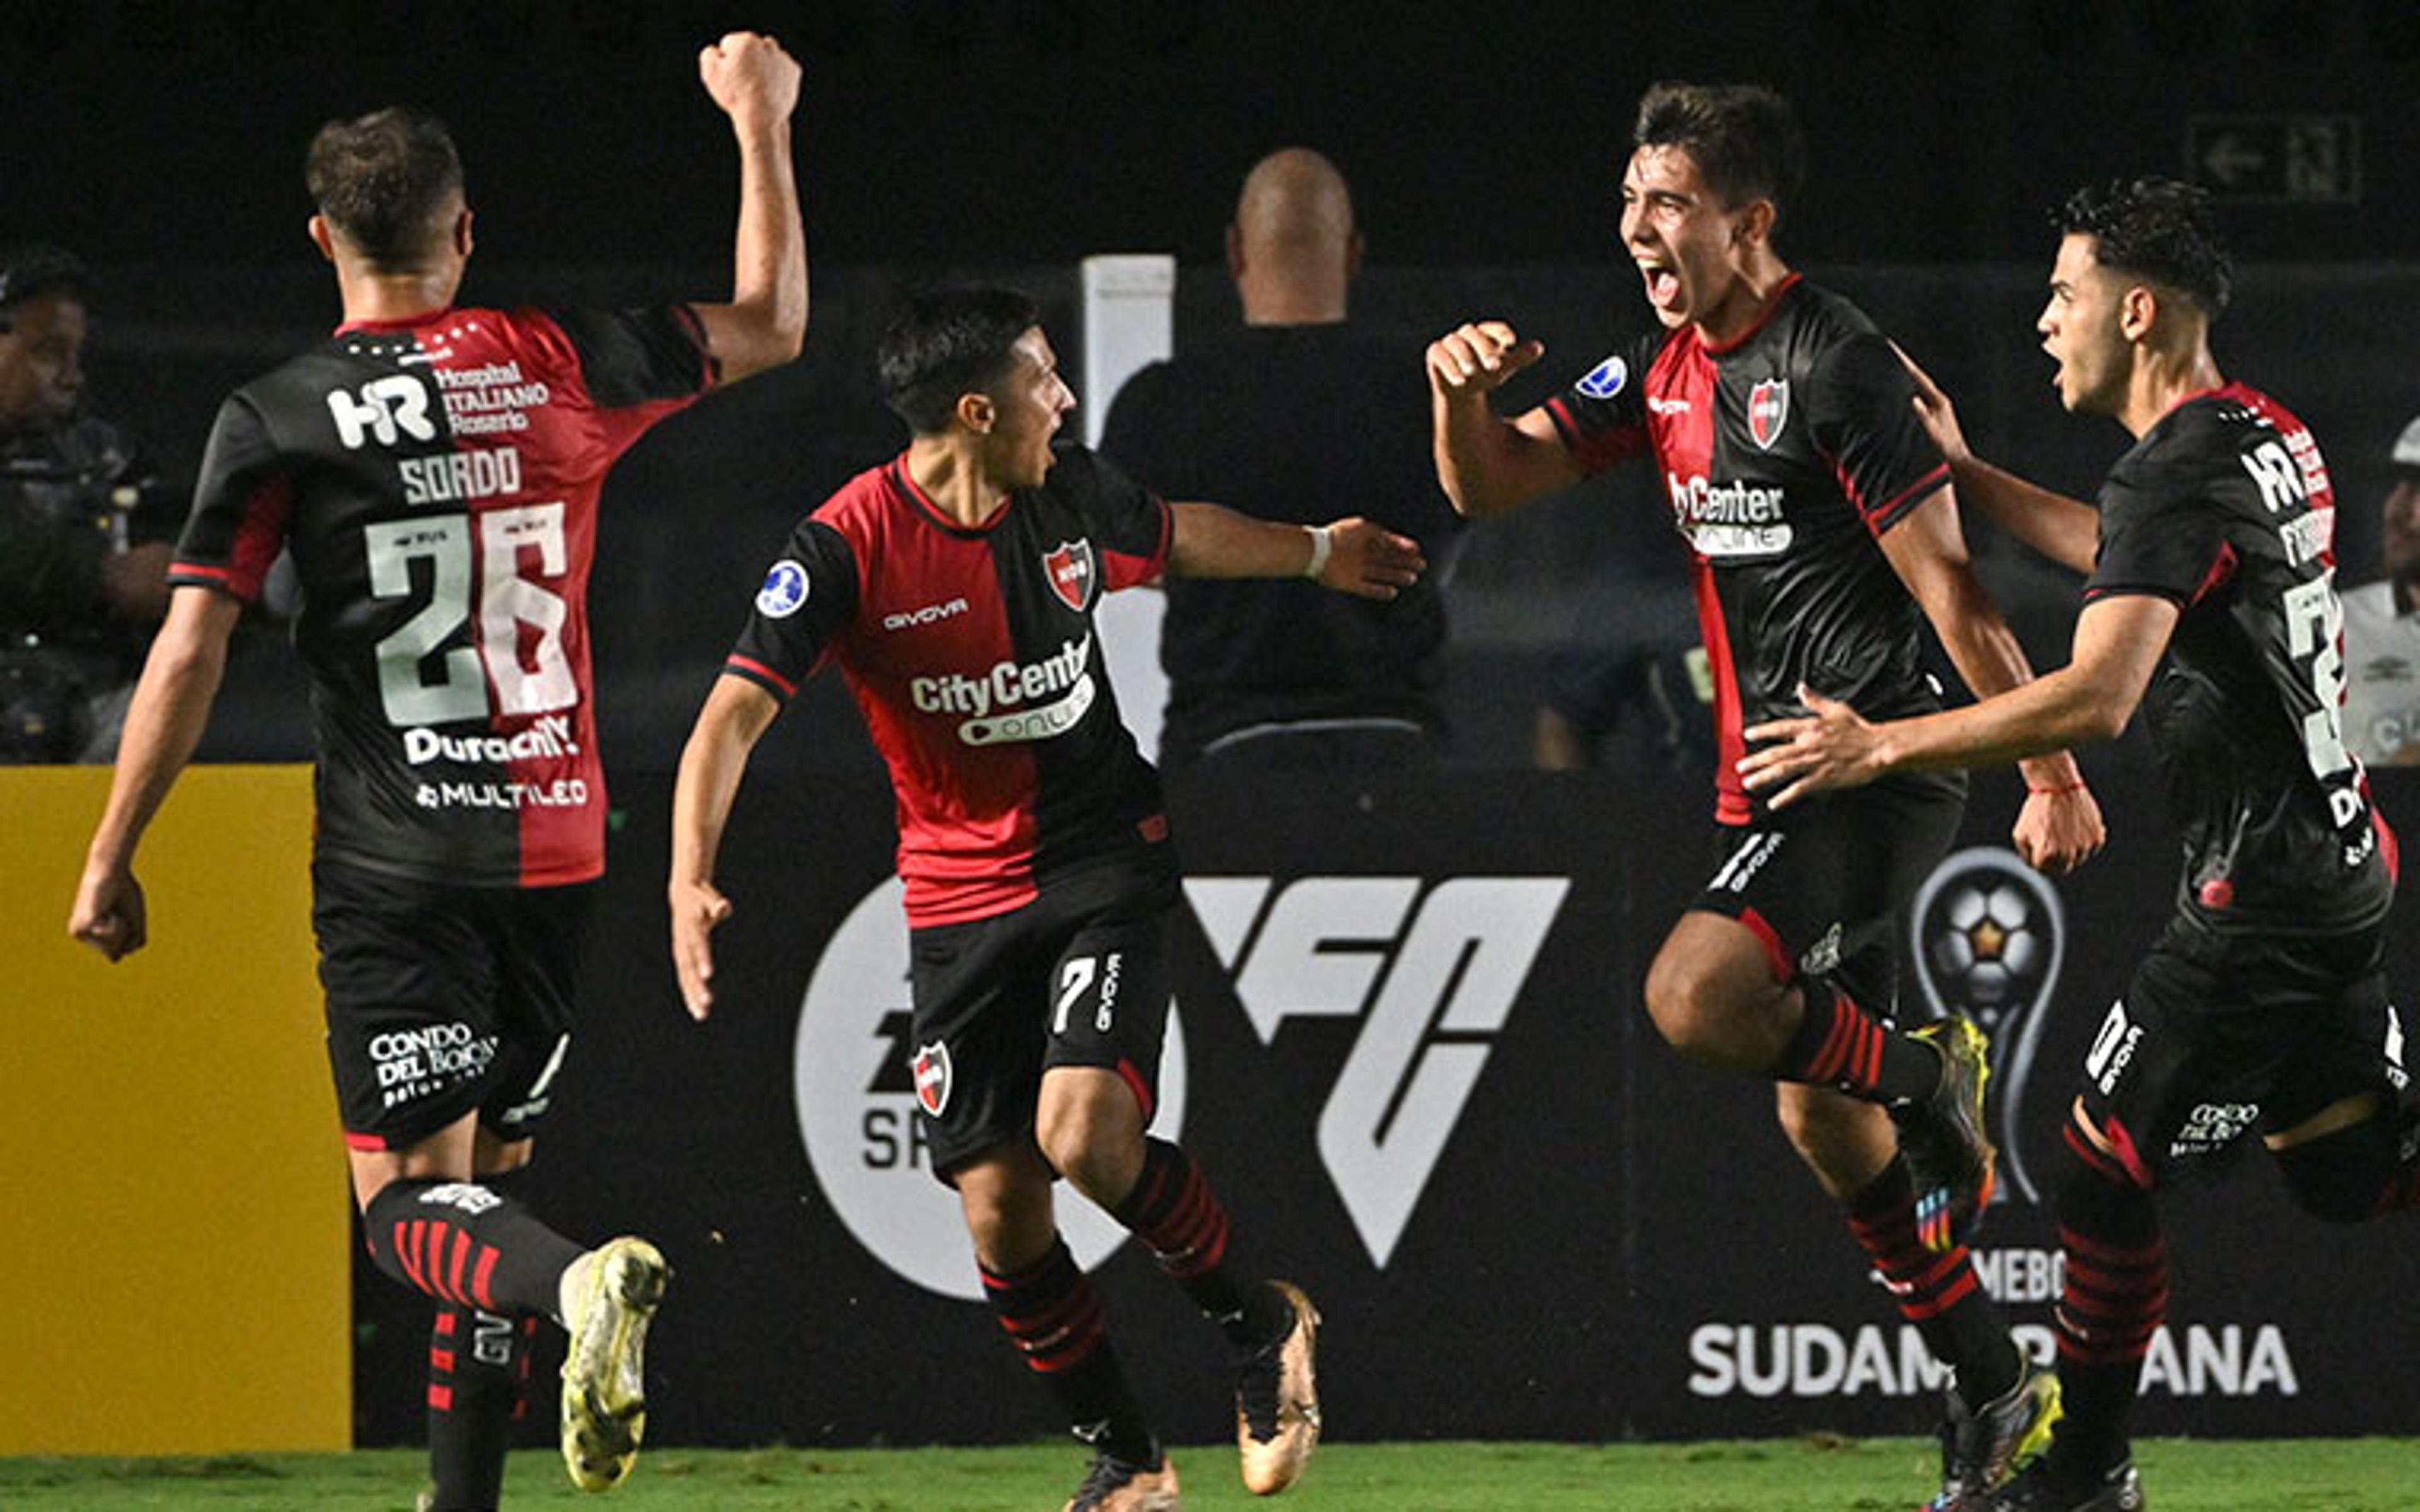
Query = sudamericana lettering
x=1007 y=685
x=1809 y=1360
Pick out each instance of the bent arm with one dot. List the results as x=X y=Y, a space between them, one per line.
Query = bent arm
x=1927 y=550
x=2118 y=641
x=765 y=323
x=736 y=715
x=1486 y=464
x=2065 y=530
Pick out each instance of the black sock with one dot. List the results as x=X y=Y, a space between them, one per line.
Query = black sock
x=1172 y=1210
x=468 y=1244
x=1840 y=1045
x=478 y=1366
x=2114 y=1299
x=1049 y=1311
x=1939 y=1293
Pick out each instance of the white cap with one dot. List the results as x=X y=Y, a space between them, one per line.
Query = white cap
x=2407 y=446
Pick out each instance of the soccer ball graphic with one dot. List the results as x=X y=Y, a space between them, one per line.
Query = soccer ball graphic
x=1987 y=940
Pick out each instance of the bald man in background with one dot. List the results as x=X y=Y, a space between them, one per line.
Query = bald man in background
x=1301 y=415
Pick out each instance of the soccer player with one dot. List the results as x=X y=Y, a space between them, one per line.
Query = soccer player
x=954 y=586
x=1822 y=529
x=2210 y=605
x=434 y=472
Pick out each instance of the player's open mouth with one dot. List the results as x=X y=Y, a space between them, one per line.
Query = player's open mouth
x=1663 y=285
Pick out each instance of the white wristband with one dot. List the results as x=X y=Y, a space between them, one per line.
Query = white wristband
x=1322 y=541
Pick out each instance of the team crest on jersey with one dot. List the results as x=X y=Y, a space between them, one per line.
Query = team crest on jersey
x=932 y=1067
x=1606 y=379
x=1768 y=410
x=784 y=590
x=1073 y=577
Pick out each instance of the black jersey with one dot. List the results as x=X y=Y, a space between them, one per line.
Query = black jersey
x=2224 y=508
x=436 y=481
x=971 y=653
x=1252 y=419
x=1786 y=453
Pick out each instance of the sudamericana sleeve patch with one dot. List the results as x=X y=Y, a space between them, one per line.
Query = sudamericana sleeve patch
x=784 y=591
x=1606 y=379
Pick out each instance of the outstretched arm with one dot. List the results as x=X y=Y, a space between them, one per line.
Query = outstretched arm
x=756 y=84
x=1351 y=556
x=736 y=716
x=164 y=722
x=1487 y=464
x=2060 y=825
x=2065 y=530
x=2118 y=641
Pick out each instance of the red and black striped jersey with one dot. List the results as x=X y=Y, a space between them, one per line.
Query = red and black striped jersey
x=2224 y=508
x=972 y=653
x=436 y=481
x=1786 y=453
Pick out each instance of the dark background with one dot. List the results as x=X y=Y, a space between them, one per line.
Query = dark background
x=149 y=131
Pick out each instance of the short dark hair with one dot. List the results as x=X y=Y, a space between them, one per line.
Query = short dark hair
x=1744 y=137
x=946 y=343
x=384 y=180
x=2158 y=229
x=39 y=267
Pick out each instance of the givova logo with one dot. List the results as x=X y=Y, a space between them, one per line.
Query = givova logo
x=858 y=1071
x=1432 y=980
x=1989 y=936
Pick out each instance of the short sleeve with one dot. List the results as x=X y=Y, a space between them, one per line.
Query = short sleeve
x=1602 y=416
x=2160 y=534
x=634 y=356
x=808 y=596
x=241 y=504
x=1861 y=412
x=1132 y=526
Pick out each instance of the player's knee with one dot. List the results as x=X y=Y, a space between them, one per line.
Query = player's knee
x=1700 y=1014
x=2339 y=1178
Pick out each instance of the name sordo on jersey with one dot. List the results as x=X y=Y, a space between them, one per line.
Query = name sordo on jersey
x=460 y=475
x=549 y=737
x=1007 y=685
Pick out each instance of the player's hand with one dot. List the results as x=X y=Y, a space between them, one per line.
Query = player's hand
x=1831 y=746
x=1934 y=409
x=2060 y=830
x=748 y=75
x=108 y=913
x=1478 y=358
x=1369 y=561
x=697 y=909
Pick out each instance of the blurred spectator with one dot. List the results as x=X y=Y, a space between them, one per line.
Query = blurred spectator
x=85 y=528
x=1300 y=416
x=2381 y=628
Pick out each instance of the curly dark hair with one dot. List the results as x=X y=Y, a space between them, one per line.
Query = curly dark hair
x=2158 y=229
x=386 y=180
x=1744 y=137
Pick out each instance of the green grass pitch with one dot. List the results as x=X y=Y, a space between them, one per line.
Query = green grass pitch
x=1769 y=1476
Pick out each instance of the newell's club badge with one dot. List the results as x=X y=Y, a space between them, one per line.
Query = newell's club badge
x=1768 y=410
x=784 y=590
x=1069 y=566
x=933 y=1076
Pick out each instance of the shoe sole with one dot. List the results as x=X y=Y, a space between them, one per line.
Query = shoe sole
x=604 y=1389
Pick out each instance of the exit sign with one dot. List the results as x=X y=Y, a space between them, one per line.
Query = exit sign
x=2303 y=160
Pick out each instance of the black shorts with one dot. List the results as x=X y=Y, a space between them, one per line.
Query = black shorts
x=443 y=1001
x=1824 y=887
x=999 y=1000
x=2216 y=1038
